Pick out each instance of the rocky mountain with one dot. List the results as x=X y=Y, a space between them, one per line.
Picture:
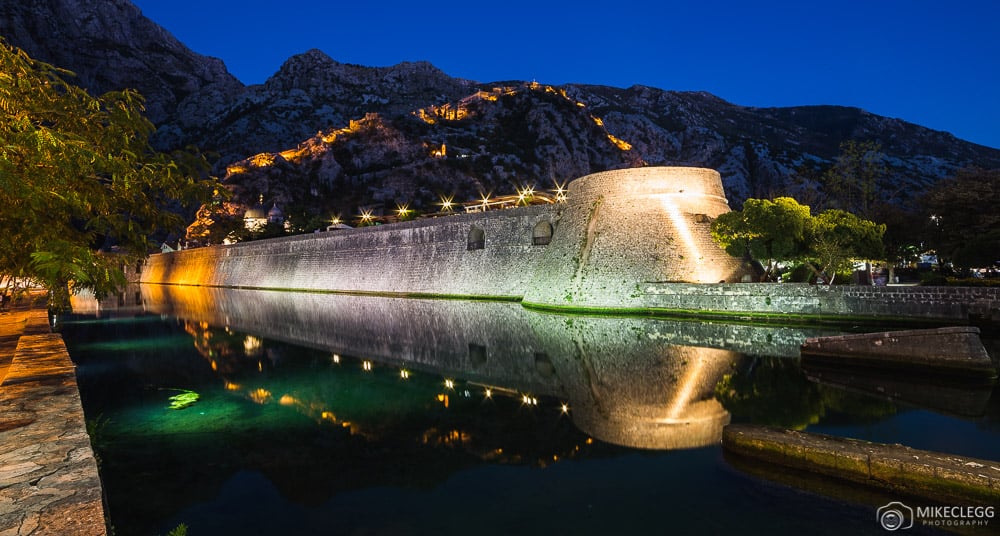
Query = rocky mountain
x=309 y=93
x=322 y=137
x=111 y=46
x=489 y=142
x=757 y=149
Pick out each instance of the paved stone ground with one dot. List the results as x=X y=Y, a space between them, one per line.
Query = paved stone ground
x=49 y=482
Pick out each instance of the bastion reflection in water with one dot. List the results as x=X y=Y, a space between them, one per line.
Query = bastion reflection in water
x=635 y=382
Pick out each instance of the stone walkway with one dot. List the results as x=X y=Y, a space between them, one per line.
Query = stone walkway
x=49 y=483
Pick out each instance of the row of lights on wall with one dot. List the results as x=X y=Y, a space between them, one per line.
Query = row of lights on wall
x=448 y=204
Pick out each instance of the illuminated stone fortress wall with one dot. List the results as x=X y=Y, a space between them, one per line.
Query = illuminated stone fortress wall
x=487 y=254
x=619 y=229
x=624 y=229
x=631 y=240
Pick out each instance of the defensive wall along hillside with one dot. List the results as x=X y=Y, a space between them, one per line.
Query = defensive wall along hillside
x=631 y=240
x=619 y=229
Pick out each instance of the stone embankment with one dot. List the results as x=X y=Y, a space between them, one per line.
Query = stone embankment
x=49 y=481
x=953 y=351
x=789 y=303
x=934 y=476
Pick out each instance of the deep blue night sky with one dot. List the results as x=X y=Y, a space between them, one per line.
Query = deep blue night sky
x=933 y=63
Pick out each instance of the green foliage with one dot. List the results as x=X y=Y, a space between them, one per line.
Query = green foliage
x=179 y=530
x=98 y=437
x=858 y=405
x=841 y=237
x=856 y=183
x=784 y=231
x=78 y=177
x=770 y=231
x=969 y=282
x=933 y=279
x=307 y=223
x=799 y=274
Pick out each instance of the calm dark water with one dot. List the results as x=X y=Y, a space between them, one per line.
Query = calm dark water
x=352 y=415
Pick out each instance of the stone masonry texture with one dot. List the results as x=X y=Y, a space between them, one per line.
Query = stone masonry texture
x=49 y=481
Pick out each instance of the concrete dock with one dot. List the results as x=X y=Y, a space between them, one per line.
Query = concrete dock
x=893 y=468
x=49 y=482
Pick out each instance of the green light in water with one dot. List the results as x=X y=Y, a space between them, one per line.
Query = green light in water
x=183 y=400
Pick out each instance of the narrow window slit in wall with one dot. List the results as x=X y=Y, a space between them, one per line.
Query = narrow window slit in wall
x=477 y=238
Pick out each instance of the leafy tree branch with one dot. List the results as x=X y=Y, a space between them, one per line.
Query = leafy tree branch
x=79 y=180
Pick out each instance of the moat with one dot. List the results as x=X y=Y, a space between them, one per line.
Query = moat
x=334 y=414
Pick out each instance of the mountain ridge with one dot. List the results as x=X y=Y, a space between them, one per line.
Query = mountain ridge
x=110 y=45
x=413 y=120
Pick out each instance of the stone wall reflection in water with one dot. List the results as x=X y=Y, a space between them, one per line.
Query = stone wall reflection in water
x=629 y=381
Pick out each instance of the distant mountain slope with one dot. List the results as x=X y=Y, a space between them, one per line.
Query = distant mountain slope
x=494 y=136
x=757 y=149
x=111 y=46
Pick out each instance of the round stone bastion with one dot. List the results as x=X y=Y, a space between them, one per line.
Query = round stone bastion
x=626 y=228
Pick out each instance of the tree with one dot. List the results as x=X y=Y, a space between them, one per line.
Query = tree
x=78 y=179
x=840 y=237
x=903 y=237
x=962 y=218
x=770 y=231
x=784 y=230
x=854 y=182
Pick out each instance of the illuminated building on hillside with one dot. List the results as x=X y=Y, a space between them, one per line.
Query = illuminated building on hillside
x=257 y=217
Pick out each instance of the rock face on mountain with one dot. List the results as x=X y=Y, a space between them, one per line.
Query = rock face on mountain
x=757 y=149
x=111 y=46
x=490 y=142
x=325 y=137
x=309 y=93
